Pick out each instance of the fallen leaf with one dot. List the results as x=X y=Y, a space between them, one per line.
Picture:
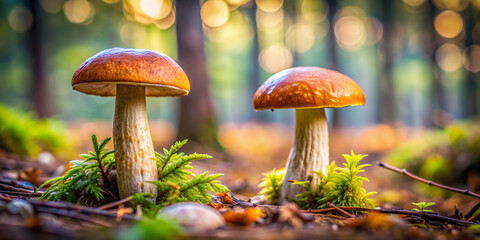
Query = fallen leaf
x=242 y=217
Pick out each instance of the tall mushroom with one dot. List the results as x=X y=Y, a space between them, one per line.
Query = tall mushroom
x=308 y=90
x=131 y=75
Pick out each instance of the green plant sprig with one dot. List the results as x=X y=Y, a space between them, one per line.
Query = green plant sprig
x=421 y=206
x=89 y=180
x=86 y=181
x=340 y=186
x=177 y=183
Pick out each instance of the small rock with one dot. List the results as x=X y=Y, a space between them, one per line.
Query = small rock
x=194 y=217
x=46 y=158
x=20 y=207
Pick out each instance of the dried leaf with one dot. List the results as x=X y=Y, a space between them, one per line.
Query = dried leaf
x=242 y=217
x=30 y=175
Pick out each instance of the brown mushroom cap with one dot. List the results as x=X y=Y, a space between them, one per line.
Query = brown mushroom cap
x=308 y=87
x=100 y=74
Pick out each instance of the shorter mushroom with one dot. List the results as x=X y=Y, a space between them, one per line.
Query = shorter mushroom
x=308 y=90
x=131 y=75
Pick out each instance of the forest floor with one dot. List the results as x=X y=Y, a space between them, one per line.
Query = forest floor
x=23 y=217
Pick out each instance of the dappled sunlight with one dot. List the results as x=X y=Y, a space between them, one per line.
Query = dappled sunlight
x=20 y=19
x=79 y=11
x=275 y=58
x=350 y=28
x=448 y=24
x=214 y=13
x=269 y=5
x=449 y=57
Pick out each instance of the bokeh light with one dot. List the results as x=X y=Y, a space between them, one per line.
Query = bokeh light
x=275 y=58
x=237 y=2
x=166 y=22
x=269 y=5
x=457 y=5
x=132 y=34
x=314 y=11
x=350 y=32
x=269 y=20
x=350 y=28
x=52 y=6
x=214 y=13
x=300 y=37
x=235 y=35
x=449 y=57
x=20 y=18
x=375 y=31
x=156 y=9
x=414 y=3
x=149 y=11
x=448 y=24
x=472 y=58
x=79 y=11
x=111 y=1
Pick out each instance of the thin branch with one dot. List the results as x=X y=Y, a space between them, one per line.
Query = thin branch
x=19 y=193
x=393 y=211
x=430 y=183
x=74 y=215
x=341 y=210
x=114 y=204
x=17 y=189
x=74 y=207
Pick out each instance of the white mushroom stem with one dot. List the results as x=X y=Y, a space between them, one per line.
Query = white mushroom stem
x=134 y=156
x=309 y=152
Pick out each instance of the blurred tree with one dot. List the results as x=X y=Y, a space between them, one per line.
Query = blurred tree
x=386 y=86
x=196 y=110
x=438 y=98
x=39 y=88
x=254 y=80
x=470 y=100
x=332 y=53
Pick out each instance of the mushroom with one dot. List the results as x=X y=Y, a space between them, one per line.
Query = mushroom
x=308 y=90
x=131 y=75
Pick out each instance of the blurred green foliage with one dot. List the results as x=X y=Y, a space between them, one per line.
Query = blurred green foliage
x=159 y=228
x=23 y=134
x=271 y=184
x=447 y=155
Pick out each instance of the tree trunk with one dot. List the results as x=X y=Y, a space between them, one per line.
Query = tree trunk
x=196 y=110
x=39 y=91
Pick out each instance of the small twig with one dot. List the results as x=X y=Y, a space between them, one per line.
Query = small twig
x=17 y=189
x=114 y=204
x=472 y=211
x=393 y=211
x=19 y=193
x=16 y=183
x=73 y=207
x=430 y=183
x=74 y=215
x=341 y=211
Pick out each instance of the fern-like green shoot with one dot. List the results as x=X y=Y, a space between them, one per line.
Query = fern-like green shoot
x=421 y=206
x=271 y=183
x=86 y=179
x=340 y=186
x=177 y=184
